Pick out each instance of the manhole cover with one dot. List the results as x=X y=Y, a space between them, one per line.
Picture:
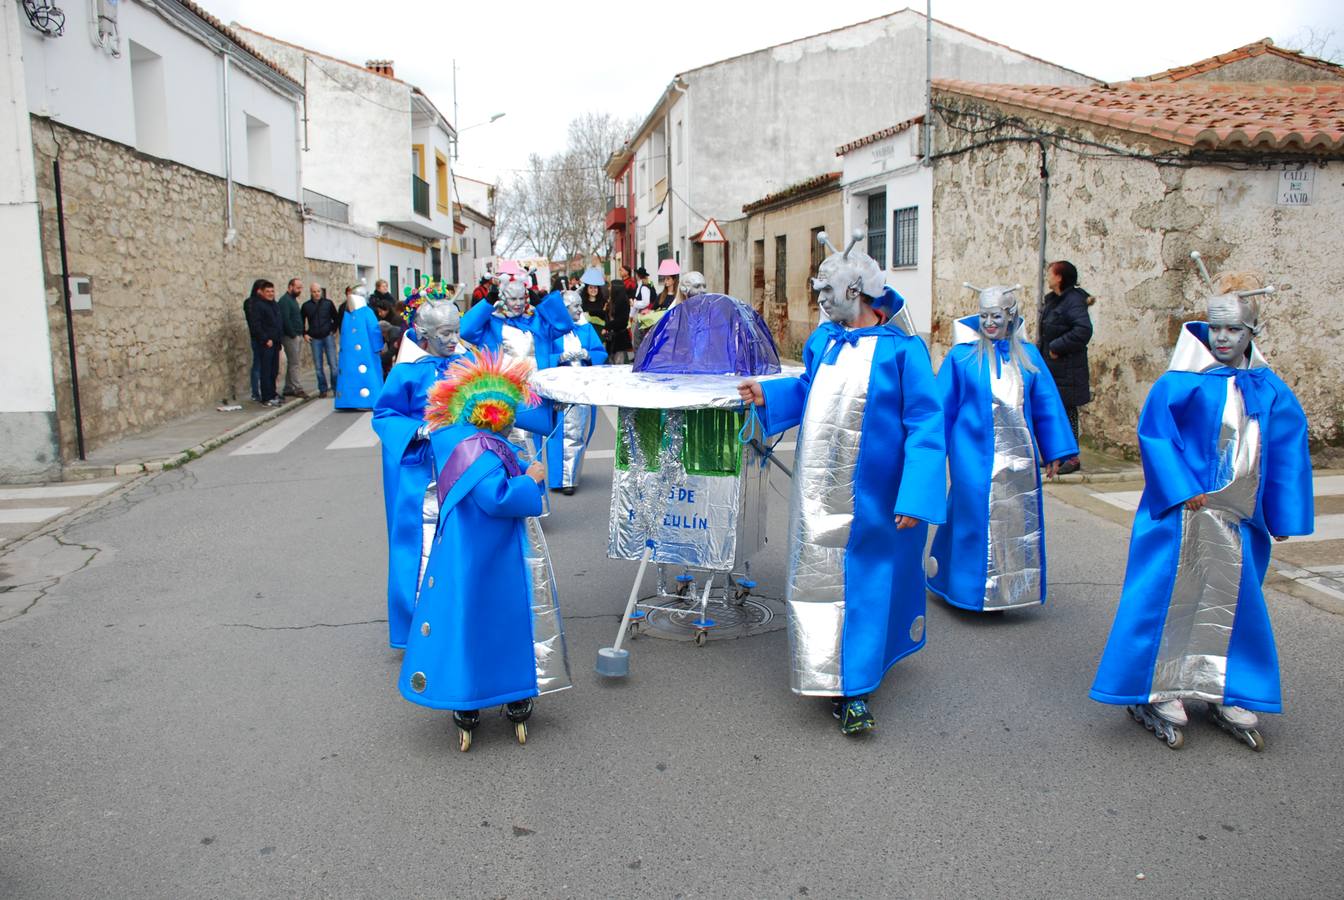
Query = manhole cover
x=673 y=618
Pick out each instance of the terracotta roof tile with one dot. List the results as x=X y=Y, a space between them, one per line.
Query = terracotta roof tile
x=813 y=185
x=878 y=135
x=1301 y=117
x=236 y=38
x=1259 y=48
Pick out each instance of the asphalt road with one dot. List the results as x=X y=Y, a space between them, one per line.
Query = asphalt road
x=207 y=708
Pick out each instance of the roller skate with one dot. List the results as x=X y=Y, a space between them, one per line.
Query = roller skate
x=853 y=713
x=1164 y=719
x=1238 y=722
x=518 y=713
x=466 y=722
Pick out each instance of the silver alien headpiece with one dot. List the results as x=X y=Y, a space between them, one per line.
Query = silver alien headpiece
x=1235 y=307
x=842 y=278
x=692 y=284
x=439 y=326
x=999 y=320
x=997 y=297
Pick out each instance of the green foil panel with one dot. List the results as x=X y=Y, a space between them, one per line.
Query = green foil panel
x=649 y=433
x=711 y=446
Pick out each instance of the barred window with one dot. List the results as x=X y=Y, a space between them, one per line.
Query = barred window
x=877 y=227
x=905 y=234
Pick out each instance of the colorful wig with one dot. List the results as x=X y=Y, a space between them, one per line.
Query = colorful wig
x=485 y=392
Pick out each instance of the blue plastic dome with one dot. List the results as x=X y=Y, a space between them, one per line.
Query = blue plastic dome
x=709 y=334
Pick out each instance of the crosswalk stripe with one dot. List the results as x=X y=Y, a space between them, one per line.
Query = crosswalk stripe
x=53 y=491
x=1328 y=485
x=284 y=433
x=20 y=515
x=359 y=435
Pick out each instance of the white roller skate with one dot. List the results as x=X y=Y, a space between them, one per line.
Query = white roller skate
x=1238 y=722
x=1164 y=719
x=518 y=713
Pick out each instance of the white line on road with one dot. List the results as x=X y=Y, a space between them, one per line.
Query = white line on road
x=1126 y=500
x=52 y=491
x=358 y=436
x=281 y=435
x=1328 y=485
x=1328 y=528
x=30 y=514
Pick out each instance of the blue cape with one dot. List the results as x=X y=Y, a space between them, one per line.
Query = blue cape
x=555 y=446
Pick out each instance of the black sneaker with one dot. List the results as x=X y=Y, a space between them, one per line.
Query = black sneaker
x=853 y=714
x=1069 y=466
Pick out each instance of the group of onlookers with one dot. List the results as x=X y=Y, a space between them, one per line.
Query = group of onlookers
x=283 y=324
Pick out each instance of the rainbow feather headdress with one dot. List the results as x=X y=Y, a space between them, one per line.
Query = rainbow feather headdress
x=485 y=392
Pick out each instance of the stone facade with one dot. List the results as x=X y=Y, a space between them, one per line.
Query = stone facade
x=1129 y=226
x=166 y=334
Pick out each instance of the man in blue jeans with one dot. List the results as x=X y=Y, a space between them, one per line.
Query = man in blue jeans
x=319 y=330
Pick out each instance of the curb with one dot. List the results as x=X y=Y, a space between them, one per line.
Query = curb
x=84 y=473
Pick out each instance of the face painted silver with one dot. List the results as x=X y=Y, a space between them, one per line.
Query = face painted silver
x=845 y=279
x=1229 y=343
x=513 y=298
x=574 y=305
x=548 y=630
x=429 y=525
x=1013 y=563
x=439 y=327
x=993 y=323
x=1192 y=657
x=821 y=516
x=692 y=284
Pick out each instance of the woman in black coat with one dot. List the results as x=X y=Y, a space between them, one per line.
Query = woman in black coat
x=1064 y=330
x=617 y=332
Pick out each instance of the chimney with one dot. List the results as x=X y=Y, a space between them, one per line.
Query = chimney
x=380 y=67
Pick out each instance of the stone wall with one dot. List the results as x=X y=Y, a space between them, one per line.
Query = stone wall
x=166 y=334
x=1129 y=226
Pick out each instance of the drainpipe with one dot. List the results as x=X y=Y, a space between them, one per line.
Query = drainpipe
x=1040 y=239
x=928 y=83
x=230 y=234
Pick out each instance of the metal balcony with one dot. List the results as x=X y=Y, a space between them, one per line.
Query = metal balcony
x=616 y=217
x=420 y=196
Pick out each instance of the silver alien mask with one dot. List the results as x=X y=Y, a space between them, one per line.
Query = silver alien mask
x=513 y=293
x=692 y=284
x=439 y=327
x=845 y=280
x=574 y=303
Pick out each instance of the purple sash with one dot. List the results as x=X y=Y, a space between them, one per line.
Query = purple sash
x=470 y=449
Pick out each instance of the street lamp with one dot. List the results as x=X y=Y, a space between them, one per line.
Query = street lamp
x=495 y=118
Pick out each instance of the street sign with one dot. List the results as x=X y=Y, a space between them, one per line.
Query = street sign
x=710 y=234
x=1295 y=183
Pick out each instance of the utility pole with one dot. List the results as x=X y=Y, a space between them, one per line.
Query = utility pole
x=928 y=82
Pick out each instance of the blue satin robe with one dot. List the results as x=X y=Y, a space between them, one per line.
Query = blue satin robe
x=408 y=468
x=555 y=445
x=900 y=471
x=1179 y=431
x=548 y=320
x=478 y=651
x=359 y=368
x=961 y=546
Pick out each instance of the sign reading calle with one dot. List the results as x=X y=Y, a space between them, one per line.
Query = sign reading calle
x=1295 y=184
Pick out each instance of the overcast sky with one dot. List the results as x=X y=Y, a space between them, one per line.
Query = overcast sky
x=541 y=63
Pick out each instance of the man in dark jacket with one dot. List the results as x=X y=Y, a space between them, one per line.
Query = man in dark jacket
x=267 y=329
x=319 y=330
x=1062 y=335
x=293 y=339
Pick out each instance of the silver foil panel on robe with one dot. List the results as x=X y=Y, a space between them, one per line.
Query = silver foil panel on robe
x=429 y=526
x=821 y=516
x=548 y=631
x=519 y=343
x=1013 y=566
x=1192 y=658
x=706 y=521
x=577 y=420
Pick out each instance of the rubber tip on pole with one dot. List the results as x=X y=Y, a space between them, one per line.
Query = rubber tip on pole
x=650 y=544
x=613 y=663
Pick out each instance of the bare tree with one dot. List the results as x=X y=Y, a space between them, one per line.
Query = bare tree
x=1320 y=43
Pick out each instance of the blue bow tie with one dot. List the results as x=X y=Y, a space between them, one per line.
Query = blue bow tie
x=840 y=336
x=1254 y=385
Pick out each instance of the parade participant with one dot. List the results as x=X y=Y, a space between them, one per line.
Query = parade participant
x=1001 y=411
x=575 y=424
x=520 y=332
x=869 y=474
x=669 y=275
x=409 y=498
x=1226 y=466
x=360 y=376
x=641 y=305
x=487 y=630
x=692 y=284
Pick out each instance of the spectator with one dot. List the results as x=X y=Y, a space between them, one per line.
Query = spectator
x=482 y=290
x=293 y=338
x=254 y=379
x=382 y=297
x=391 y=327
x=267 y=330
x=319 y=330
x=617 y=331
x=1064 y=330
x=628 y=280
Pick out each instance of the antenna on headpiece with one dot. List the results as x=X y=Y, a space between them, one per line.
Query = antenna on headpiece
x=1204 y=273
x=1267 y=289
x=854 y=238
x=971 y=287
x=825 y=240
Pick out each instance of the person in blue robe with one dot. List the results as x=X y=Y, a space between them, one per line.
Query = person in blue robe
x=1226 y=466
x=359 y=366
x=1002 y=413
x=574 y=425
x=486 y=630
x=868 y=479
x=409 y=497
x=517 y=330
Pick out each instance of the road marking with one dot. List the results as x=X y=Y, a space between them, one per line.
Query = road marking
x=610 y=413
x=1126 y=500
x=358 y=436
x=1328 y=528
x=1328 y=485
x=23 y=515
x=53 y=491
x=281 y=435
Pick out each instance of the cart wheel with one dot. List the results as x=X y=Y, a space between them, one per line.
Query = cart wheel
x=520 y=731
x=463 y=740
x=701 y=637
x=741 y=594
x=632 y=630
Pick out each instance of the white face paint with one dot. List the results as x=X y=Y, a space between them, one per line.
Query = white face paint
x=574 y=303
x=1229 y=343
x=994 y=323
x=839 y=306
x=515 y=298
